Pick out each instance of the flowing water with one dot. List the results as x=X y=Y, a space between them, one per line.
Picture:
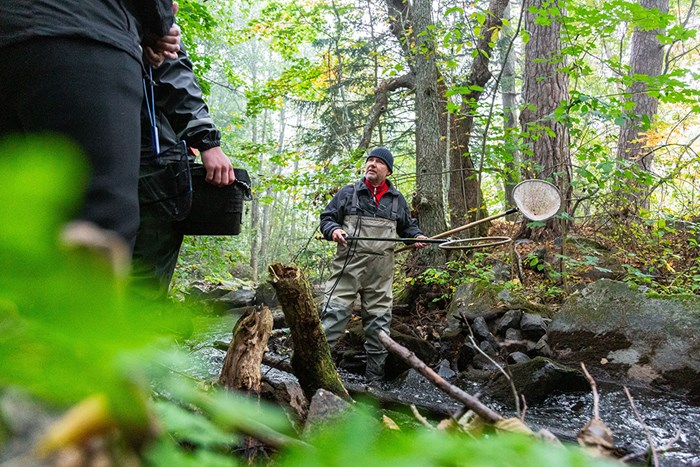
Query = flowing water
x=665 y=416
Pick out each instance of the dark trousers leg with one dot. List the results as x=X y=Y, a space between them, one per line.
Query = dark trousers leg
x=92 y=94
x=155 y=254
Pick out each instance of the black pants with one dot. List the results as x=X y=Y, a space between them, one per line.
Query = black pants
x=155 y=254
x=91 y=93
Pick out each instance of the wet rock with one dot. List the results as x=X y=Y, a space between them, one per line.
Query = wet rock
x=236 y=298
x=325 y=407
x=518 y=357
x=445 y=371
x=484 y=299
x=488 y=348
x=480 y=328
x=622 y=332
x=541 y=348
x=265 y=294
x=466 y=356
x=509 y=320
x=514 y=334
x=533 y=326
x=536 y=379
x=469 y=302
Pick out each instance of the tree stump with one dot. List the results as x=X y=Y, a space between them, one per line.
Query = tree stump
x=311 y=359
x=241 y=369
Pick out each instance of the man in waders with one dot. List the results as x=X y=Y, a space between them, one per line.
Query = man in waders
x=372 y=207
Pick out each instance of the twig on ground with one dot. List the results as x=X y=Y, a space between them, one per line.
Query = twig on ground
x=654 y=455
x=500 y=368
x=665 y=448
x=420 y=418
x=594 y=388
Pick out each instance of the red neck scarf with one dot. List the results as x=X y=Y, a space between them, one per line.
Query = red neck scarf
x=377 y=191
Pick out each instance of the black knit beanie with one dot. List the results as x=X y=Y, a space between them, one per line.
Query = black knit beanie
x=385 y=155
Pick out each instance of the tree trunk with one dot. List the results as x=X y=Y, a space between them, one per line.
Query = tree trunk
x=646 y=60
x=428 y=199
x=311 y=360
x=544 y=89
x=241 y=368
x=465 y=197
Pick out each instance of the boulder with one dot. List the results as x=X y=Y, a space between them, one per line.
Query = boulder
x=620 y=331
x=480 y=328
x=487 y=300
x=510 y=320
x=236 y=298
x=532 y=326
x=325 y=407
x=536 y=379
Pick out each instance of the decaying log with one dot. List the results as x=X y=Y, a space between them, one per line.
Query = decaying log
x=311 y=359
x=241 y=368
x=470 y=401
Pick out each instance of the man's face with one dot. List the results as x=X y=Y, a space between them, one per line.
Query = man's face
x=376 y=170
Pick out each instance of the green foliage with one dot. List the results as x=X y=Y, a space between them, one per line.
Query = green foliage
x=196 y=24
x=359 y=440
x=475 y=268
x=69 y=331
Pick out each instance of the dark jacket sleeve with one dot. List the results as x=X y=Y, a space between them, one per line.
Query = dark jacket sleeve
x=179 y=100
x=406 y=226
x=332 y=217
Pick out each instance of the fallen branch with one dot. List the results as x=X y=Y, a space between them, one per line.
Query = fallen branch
x=456 y=393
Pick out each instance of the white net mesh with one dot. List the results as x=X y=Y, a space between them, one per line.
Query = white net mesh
x=536 y=199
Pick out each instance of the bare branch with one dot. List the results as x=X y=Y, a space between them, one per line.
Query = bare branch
x=409 y=357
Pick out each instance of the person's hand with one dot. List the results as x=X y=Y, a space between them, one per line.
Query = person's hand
x=340 y=236
x=157 y=49
x=162 y=48
x=419 y=245
x=218 y=166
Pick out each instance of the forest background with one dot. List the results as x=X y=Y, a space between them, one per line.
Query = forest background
x=599 y=98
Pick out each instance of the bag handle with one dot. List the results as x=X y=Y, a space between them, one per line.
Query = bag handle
x=149 y=95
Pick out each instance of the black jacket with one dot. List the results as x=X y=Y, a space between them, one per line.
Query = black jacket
x=341 y=205
x=181 y=113
x=111 y=22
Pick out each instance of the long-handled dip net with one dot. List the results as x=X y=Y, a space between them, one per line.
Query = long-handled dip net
x=537 y=200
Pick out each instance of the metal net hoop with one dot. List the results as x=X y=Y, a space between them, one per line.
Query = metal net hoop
x=475 y=242
x=537 y=200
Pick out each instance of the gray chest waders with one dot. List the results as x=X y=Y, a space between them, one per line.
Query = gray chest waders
x=365 y=268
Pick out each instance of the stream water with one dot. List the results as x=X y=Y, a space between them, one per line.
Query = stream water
x=665 y=416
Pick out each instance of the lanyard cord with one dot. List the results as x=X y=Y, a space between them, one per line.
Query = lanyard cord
x=149 y=95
